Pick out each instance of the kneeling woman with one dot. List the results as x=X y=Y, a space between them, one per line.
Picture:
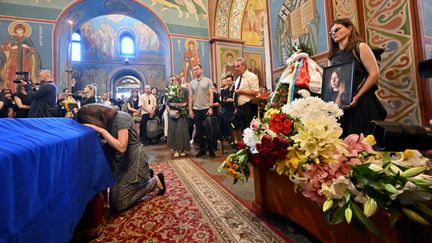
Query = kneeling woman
x=128 y=163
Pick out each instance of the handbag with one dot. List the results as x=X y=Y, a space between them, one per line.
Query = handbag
x=174 y=114
x=152 y=128
x=137 y=117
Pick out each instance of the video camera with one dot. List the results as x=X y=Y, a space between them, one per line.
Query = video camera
x=394 y=136
x=22 y=76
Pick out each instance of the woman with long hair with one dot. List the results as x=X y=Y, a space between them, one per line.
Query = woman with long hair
x=22 y=101
x=127 y=159
x=134 y=109
x=89 y=96
x=365 y=106
x=337 y=86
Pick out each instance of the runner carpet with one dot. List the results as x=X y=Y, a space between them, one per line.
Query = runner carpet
x=194 y=209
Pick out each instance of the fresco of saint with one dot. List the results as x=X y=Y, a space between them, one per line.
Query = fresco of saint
x=18 y=54
x=190 y=59
x=286 y=39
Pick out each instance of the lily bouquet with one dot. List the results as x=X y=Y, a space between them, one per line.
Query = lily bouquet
x=174 y=95
x=347 y=178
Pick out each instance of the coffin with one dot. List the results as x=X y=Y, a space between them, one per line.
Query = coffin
x=275 y=194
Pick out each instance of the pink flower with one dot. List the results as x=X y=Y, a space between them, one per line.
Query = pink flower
x=356 y=145
x=255 y=124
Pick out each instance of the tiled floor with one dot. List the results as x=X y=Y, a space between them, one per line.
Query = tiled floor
x=244 y=191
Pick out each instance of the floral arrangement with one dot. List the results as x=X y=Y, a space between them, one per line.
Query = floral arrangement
x=347 y=178
x=174 y=95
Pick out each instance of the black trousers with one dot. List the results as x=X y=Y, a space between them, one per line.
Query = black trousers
x=143 y=132
x=244 y=115
x=204 y=142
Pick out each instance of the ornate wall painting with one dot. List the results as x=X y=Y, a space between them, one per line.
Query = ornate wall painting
x=193 y=13
x=225 y=59
x=54 y=4
x=346 y=9
x=255 y=65
x=295 y=22
x=426 y=15
x=236 y=18
x=222 y=18
x=18 y=53
x=188 y=52
x=100 y=39
x=389 y=26
x=253 y=18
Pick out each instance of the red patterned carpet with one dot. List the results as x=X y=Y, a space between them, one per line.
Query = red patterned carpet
x=194 y=209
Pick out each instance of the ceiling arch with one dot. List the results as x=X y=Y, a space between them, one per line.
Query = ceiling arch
x=81 y=11
x=228 y=19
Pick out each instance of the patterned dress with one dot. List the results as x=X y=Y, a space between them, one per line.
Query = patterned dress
x=130 y=169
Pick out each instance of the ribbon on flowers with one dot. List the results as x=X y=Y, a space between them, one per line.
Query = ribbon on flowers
x=292 y=82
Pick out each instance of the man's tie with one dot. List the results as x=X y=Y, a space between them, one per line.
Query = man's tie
x=237 y=87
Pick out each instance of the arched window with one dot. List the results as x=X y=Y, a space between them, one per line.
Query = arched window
x=127 y=45
x=76 y=47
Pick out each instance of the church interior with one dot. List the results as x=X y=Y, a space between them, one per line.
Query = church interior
x=123 y=45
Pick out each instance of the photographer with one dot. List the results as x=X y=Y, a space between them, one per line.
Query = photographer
x=44 y=99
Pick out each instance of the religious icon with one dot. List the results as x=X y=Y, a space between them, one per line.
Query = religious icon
x=190 y=58
x=337 y=84
x=254 y=64
x=229 y=65
x=298 y=24
x=18 y=54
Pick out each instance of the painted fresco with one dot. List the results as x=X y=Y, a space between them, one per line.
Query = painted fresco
x=100 y=74
x=55 y=4
x=295 y=22
x=225 y=60
x=426 y=6
x=253 y=19
x=346 y=9
x=100 y=37
x=389 y=27
x=222 y=13
x=21 y=47
x=254 y=64
x=187 y=53
x=192 y=13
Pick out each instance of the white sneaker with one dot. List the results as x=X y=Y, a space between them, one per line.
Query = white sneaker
x=176 y=154
x=182 y=154
x=191 y=141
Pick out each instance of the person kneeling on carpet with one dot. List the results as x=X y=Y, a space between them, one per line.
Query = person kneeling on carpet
x=127 y=159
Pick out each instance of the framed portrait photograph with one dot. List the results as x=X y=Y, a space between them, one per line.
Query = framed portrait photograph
x=338 y=84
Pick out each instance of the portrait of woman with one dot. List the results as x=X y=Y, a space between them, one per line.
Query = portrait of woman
x=337 y=89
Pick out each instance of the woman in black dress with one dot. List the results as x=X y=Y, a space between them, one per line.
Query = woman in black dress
x=365 y=106
x=22 y=101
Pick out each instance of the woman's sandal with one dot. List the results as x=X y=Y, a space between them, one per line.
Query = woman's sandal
x=162 y=181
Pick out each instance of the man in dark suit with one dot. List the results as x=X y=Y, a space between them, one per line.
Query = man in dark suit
x=43 y=99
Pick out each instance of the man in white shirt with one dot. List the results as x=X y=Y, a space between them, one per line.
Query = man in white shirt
x=147 y=103
x=246 y=90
